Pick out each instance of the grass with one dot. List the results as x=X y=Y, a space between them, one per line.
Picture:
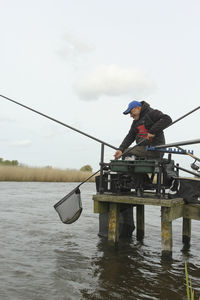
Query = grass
x=18 y=173
x=190 y=291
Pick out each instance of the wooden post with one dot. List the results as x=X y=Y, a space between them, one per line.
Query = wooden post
x=113 y=226
x=166 y=231
x=186 y=230
x=140 y=221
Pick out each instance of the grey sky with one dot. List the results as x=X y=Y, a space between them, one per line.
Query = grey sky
x=82 y=62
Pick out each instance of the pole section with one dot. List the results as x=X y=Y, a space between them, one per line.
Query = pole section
x=190 y=142
x=59 y=122
x=190 y=112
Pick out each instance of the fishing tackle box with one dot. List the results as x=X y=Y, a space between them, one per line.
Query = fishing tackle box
x=133 y=166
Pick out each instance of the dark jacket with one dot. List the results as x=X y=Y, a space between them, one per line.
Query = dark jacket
x=152 y=121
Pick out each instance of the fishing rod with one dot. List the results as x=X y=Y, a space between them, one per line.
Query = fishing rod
x=187 y=171
x=178 y=144
x=190 y=112
x=190 y=142
x=59 y=122
x=193 y=165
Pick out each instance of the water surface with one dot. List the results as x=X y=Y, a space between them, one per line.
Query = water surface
x=41 y=258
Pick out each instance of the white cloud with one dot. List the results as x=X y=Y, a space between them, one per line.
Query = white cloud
x=21 y=143
x=72 y=47
x=111 y=80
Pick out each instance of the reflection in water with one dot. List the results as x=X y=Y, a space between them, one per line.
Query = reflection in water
x=130 y=271
x=116 y=271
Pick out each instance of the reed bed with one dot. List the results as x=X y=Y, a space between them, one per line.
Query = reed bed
x=190 y=291
x=18 y=173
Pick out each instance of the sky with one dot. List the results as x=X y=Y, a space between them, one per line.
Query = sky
x=81 y=62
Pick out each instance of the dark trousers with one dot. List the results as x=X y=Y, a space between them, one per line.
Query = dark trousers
x=140 y=151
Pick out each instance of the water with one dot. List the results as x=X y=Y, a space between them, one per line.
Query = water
x=41 y=258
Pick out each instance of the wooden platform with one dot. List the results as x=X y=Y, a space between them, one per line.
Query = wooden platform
x=171 y=209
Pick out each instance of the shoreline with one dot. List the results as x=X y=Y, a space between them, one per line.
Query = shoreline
x=45 y=174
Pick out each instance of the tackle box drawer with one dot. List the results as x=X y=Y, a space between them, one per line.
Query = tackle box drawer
x=135 y=166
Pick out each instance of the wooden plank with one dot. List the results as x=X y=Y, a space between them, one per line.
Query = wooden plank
x=147 y=200
x=175 y=213
x=100 y=207
x=140 y=222
x=192 y=211
x=113 y=226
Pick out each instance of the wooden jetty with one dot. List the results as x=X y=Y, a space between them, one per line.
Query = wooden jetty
x=171 y=209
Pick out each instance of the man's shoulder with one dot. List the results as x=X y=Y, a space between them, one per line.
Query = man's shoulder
x=153 y=111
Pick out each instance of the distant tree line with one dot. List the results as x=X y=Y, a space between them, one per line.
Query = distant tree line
x=86 y=168
x=8 y=162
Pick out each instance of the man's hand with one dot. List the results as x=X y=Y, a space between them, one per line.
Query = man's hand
x=150 y=136
x=117 y=153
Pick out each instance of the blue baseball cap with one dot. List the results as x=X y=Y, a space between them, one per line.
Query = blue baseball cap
x=132 y=105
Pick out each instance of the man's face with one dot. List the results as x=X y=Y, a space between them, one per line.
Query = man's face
x=135 y=113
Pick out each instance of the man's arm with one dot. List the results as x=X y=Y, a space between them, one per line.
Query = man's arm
x=129 y=139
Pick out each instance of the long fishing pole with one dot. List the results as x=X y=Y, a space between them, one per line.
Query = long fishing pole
x=190 y=112
x=189 y=154
x=176 y=144
x=185 y=170
x=59 y=122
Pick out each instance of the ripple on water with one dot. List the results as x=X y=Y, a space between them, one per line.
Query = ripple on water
x=41 y=258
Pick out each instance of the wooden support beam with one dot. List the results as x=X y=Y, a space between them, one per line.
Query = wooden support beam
x=171 y=209
x=186 y=230
x=147 y=200
x=166 y=231
x=113 y=226
x=192 y=211
x=140 y=221
x=100 y=207
x=175 y=212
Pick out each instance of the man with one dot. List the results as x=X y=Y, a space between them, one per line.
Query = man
x=146 y=129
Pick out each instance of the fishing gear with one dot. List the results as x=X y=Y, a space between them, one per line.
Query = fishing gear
x=179 y=150
x=100 y=180
x=69 y=207
x=187 y=114
x=176 y=144
x=194 y=166
x=196 y=141
x=190 y=154
x=187 y=171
